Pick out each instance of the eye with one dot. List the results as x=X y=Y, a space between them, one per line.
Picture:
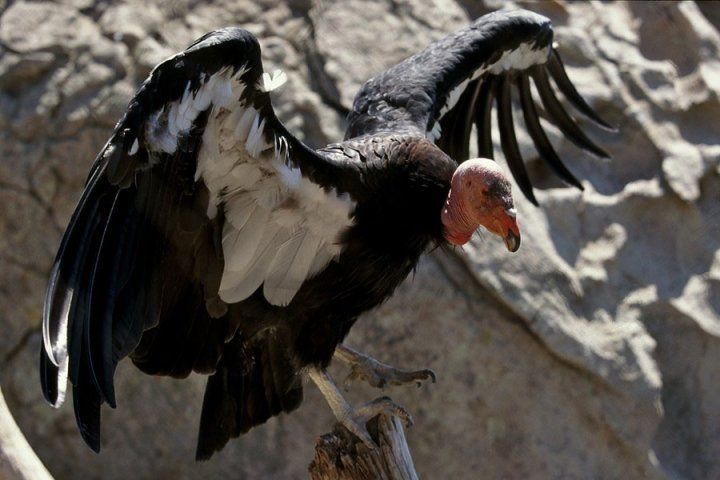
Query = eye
x=495 y=189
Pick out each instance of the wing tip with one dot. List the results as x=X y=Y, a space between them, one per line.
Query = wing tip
x=598 y=153
x=203 y=453
x=531 y=197
x=109 y=397
x=91 y=439
x=556 y=68
x=608 y=128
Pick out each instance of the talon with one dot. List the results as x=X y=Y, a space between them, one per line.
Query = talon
x=429 y=374
x=355 y=420
x=378 y=374
x=387 y=406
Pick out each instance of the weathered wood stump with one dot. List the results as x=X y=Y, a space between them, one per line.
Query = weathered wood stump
x=340 y=455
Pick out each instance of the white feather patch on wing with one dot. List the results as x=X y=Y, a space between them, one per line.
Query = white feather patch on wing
x=290 y=267
x=255 y=141
x=435 y=132
x=240 y=245
x=159 y=137
x=322 y=257
x=280 y=228
x=134 y=148
x=248 y=280
x=272 y=82
x=242 y=129
x=171 y=121
x=522 y=57
x=62 y=380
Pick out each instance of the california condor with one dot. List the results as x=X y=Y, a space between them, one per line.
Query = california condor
x=208 y=238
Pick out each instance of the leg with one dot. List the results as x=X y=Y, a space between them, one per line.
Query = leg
x=376 y=373
x=354 y=419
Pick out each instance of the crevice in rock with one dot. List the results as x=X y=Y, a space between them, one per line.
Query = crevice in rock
x=25 y=266
x=457 y=271
x=21 y=344
x=320 y=82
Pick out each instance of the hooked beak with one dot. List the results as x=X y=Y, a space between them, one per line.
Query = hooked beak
x=512 y=241
x=512 y=235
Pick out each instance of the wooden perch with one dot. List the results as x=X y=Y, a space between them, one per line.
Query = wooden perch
x=18 y=461
x=340 y=455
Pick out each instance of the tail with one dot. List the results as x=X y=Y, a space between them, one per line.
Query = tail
x=251 y=384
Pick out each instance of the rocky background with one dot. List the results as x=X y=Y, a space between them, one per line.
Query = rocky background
x=592 y=353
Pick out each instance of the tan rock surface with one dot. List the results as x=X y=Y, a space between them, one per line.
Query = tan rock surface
x=591 y=353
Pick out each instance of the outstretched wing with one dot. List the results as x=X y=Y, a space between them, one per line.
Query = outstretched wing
x=198 y=198
x=445 y=89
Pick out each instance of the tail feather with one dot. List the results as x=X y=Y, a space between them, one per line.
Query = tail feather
x=251 y=384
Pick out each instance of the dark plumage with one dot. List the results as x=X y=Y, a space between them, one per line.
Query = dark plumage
x=210 y=239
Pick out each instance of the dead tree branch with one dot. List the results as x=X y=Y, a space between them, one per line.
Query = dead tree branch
x=342 y=456
x=18 y=461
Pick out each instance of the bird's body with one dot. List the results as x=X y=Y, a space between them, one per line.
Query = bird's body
x=210 y=239
x=396 y=218
x=395 y=221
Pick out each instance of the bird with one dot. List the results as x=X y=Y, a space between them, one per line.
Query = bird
x=210 y=239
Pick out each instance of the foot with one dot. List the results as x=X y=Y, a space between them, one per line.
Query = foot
x=376 y=373
x=355 y=420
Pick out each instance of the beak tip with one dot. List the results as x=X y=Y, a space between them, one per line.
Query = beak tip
x=512 y=241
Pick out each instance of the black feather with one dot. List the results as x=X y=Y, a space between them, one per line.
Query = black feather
x=58 y=295
x=252 y=383
x=557 y=70
x=80 y=279
x=543 y=145
x=49 y=379
x=559 y=116
x=466 y=121
x=483 y=117
x=87 y=403
x=462 y=123
x=121 y=167
x=509 y=141
x=217 y=420
x=101 y=358
x=86 y=397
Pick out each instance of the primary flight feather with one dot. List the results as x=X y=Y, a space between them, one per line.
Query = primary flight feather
x=208 y=238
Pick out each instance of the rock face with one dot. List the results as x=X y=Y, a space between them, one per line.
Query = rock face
x=593 y=352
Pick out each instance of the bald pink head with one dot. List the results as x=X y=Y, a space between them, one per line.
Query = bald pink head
x=480 y=195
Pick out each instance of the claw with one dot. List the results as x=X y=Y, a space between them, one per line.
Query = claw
x=378 y=374
x=427 y=373
x=355 y=419
x=385 y=405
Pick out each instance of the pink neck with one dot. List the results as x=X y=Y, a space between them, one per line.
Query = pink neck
x=458 y=226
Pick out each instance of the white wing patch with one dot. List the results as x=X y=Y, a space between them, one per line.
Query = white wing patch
x=167 y=124
x=520 y=58
x=272 y=82
x=280 y=228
